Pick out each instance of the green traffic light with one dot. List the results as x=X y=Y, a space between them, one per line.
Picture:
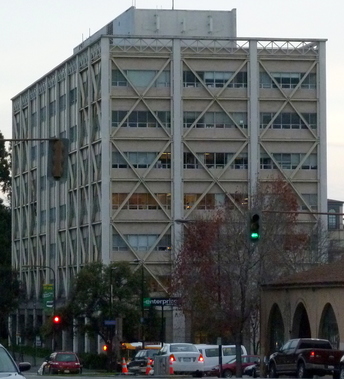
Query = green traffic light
x=254 y=236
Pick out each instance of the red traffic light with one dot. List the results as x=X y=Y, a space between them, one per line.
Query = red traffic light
x=56 y=319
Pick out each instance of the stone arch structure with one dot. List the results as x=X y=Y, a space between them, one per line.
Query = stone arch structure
x=276 y=329
x=301 y=326
x=310 y=303
x=328 y=327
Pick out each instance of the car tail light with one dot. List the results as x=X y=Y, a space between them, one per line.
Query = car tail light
x=200 y=358
x=312 y=354
x=150 y=361
x=172 y=358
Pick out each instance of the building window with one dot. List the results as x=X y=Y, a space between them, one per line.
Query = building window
x=141 y=242
x=141 y=160
x=266 y=163
x=72 y=96
x=311 y=200
x=209 y=201
x=140 y=78
x=215 y=160
x=287 y=80
x=332 y=220
x=43 y=114
x=62 y=103
x=52 y=214
x=141 y=119
x=215 y=79
x=291 y=161
x=144 y=242
x=52 y=108
x=240 y=162
x=118 y=244
x=215 y=120
x=141 y=201
x=288 y=120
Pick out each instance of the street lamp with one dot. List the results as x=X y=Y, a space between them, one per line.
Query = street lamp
x=139 y=261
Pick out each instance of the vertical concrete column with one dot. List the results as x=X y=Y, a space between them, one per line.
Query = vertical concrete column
x=177 y=167
x=253 y=117
x=106 y=150
x=322 y=160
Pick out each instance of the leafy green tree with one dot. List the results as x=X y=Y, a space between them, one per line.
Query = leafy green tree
x=8 y=277
x=5 y=168
x=106 y=292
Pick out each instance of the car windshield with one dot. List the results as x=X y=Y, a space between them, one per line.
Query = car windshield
x=182 y=348
x=65 y=358
x=6 y=363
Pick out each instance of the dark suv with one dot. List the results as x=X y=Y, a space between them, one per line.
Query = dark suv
x=142 y=358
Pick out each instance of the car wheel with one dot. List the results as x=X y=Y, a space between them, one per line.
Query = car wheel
x=272 y=371
x=227 y=374
x=301 y=371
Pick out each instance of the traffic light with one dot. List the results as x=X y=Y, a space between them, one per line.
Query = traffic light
x=106 y=347
x=56 y=320
x=254 y=226
x=58 y=152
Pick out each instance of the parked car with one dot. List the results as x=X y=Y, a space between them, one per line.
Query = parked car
x=9 y=368
x=184 y=358
x=229 y=368
x=304 y=358
x=62 y=362
x=142 y=358
x=210 y=354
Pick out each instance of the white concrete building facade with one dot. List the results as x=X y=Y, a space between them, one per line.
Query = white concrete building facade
x=168 y=113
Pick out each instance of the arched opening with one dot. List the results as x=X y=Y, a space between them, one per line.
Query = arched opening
x=276 y=329
x=301 y=327
x=328 y=326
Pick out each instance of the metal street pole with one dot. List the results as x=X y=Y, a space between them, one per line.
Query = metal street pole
x=112 y=316
x=139 y=261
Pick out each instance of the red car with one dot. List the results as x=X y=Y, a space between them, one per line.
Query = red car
x=229 y=368
x=62 y=362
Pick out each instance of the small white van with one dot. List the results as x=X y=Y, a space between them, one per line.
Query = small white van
x=211 y=354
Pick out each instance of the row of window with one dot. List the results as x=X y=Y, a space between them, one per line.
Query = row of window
x=146 y=119
x=212 y=79
x=141 y=119
x=148 y=202
x=141 y=242
x=287 y=161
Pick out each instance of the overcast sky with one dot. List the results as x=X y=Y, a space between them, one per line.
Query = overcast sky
x=37 y=35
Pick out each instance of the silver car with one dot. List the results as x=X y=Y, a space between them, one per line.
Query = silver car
x=184 y=358
x=9 y=368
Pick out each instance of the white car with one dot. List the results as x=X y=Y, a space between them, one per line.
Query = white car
x=184 y=358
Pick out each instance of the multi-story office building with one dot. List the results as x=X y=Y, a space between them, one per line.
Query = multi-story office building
x=168 y=113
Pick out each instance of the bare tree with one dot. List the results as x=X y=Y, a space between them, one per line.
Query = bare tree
x=219 y=270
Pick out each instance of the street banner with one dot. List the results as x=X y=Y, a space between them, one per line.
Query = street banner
x=48 y=298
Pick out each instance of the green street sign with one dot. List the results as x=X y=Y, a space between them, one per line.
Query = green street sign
x=146 y=302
